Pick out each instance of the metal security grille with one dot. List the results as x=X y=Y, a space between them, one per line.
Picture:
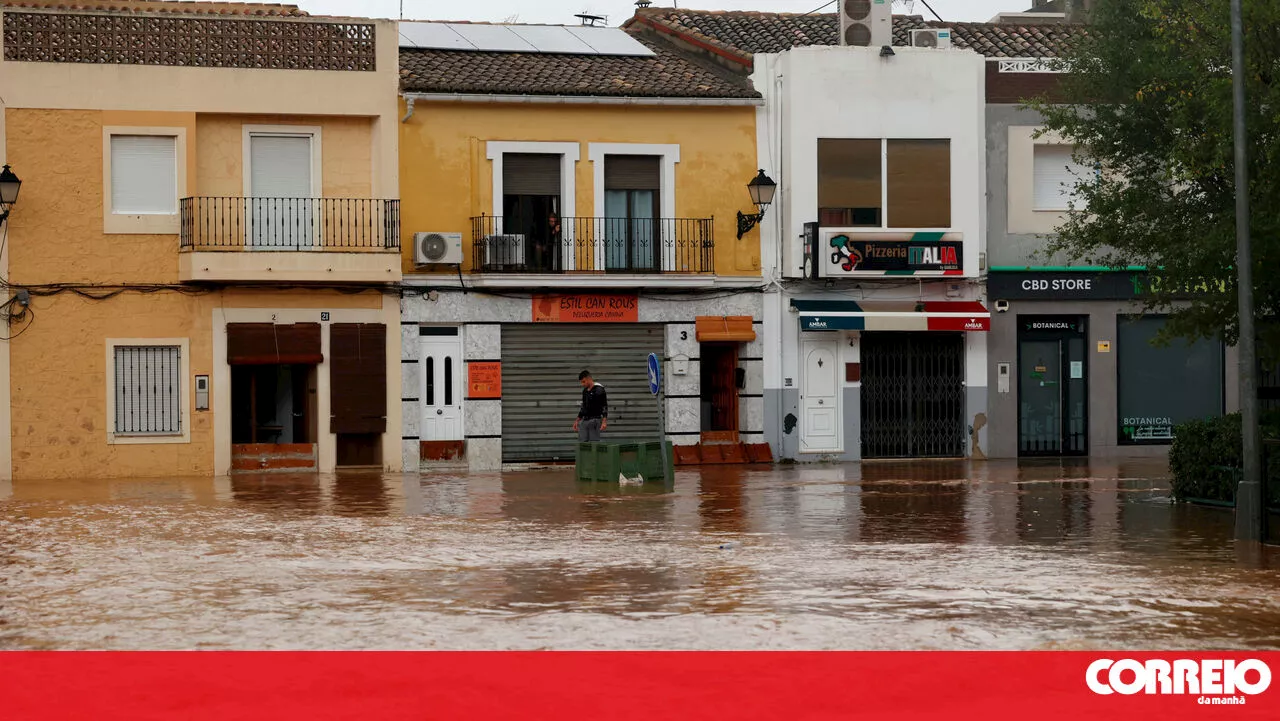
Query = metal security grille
x=540 y=391
x=147 y=382
x=913 y=395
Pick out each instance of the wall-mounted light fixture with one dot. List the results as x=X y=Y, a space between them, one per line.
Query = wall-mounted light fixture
x=886 y=51
x=761 y=189
x=9 y=187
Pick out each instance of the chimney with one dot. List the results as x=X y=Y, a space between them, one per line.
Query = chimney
x=1078 y=10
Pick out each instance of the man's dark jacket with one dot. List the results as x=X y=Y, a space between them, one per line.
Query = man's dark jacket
x=595 y=404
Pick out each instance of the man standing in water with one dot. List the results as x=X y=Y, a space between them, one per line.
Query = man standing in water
x=593 y=414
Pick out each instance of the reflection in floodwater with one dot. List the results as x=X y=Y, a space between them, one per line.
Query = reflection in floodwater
x=945 y=554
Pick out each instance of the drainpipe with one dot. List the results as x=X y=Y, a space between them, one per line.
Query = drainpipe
x=408 y=101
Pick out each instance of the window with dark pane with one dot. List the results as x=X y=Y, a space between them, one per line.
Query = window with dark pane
x=849 y=182
x=632 y=190
x=532 y=228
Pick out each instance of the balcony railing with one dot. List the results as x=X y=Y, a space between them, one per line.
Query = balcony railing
x=290 y=224
x=602 y=245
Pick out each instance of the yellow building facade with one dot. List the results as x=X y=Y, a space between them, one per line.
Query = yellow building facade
x=569 y=208
x=201 y=272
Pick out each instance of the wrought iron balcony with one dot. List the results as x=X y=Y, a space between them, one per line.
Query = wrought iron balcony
x=290 y=224
x=602 y=245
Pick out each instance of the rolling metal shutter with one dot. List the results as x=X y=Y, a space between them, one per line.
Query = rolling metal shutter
x=541 y=394
x=530 y=174
x=632 y=172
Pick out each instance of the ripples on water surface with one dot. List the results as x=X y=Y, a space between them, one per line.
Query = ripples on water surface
x=879 y=556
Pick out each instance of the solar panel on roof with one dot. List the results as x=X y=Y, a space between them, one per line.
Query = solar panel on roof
x=552 y=39
x=437 y=36
x=569 y=40
x=493 y=38
x=611 y=41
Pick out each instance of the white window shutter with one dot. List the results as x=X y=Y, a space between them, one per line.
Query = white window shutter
x=280 y=166
x=1056 y=175
x=144 y=174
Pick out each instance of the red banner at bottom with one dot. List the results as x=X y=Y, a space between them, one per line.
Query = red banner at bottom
x=1035 y=686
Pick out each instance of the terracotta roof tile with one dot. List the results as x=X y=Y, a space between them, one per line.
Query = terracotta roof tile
x=745 y=33
x=177 y=7
x=668 y=73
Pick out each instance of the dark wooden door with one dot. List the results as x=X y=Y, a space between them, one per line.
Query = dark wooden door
x=358 y=378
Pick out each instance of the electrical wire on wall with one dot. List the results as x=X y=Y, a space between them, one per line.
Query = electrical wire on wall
x=24 y=312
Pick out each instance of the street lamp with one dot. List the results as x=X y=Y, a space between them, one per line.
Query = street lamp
x=761 y=189
x=9 y=187
x=1251 y=506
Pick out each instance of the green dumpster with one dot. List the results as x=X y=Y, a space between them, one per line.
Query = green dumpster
x=607 y=461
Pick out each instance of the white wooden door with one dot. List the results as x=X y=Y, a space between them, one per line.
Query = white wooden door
x=282 y=207
x=442 y=391
x=820 y=419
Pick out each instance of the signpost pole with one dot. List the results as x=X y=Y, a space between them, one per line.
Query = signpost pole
x=655 y=386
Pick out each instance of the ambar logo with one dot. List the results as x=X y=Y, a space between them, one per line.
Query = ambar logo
x=1181 y=676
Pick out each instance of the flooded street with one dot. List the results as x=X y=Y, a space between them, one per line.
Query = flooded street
x=946 y=555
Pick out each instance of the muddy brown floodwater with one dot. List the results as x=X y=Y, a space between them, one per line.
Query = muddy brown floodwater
x=946 y=555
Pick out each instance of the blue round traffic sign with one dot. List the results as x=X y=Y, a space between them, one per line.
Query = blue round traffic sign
x=655 y=374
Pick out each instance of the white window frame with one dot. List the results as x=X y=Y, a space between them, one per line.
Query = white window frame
x=184 y=392
x=311 y=132
x=147 y=224
x=669 y=154
x=569 y=154
x=884 y=185
x=1068 y=195
x=1022 y=218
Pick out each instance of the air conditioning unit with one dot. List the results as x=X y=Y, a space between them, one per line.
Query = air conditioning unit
x=503 y=251
x=932 y=38
x=431 y=248
x=866 y=23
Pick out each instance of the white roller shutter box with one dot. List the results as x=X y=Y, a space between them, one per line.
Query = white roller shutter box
x=1056 y=175
x=144 y=175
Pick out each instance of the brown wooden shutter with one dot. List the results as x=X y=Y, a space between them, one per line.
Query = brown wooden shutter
x=632 y=172
x=358 y=378
x=530 y=174
x=273 y=344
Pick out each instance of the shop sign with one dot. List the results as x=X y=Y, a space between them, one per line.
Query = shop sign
x=484 y=379
x=1061 y=286
x=586 y=308
x=1090 y=285
x=832 y=322
x=1050 y=324
x=844 y=254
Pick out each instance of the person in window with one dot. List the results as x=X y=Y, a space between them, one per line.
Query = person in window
x=593 y=414
x=547 y=245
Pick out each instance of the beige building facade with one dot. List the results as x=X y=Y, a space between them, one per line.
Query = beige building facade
x=201 y=270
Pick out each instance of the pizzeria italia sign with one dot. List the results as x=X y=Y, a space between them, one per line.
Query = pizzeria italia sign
x=845 y=254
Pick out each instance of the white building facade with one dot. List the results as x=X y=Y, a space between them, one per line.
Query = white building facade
x=875 y=329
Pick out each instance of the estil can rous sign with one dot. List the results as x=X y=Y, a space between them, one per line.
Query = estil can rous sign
x=586 y=308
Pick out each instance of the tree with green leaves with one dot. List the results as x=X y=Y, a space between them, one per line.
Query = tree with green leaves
x=1148 y=103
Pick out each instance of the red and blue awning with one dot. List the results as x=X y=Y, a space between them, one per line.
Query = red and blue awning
x=831 y=315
